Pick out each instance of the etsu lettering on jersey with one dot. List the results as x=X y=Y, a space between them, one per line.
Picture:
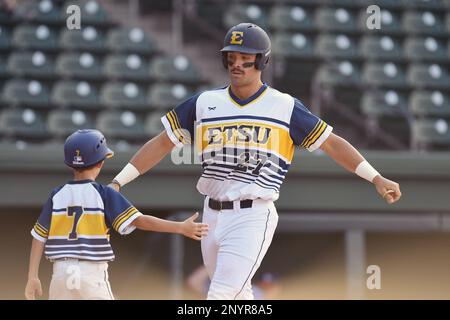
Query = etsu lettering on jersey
x=249 y=143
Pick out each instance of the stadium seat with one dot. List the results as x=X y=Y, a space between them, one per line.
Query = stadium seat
x=428 y=76
x=390 y=23
x=341 y=3
x=429 y=133
x=165 y=96
x=124 y=95
x=447 y=18
x=295 y=18
x=3 y=72
x=424 y=4
x=424 y=103
x=423 y=23
x=132 y=40
x=294 y=46
x=30 y=64
x=79 y=66
x=5 y=39
x=75 y=94
x=153 y=124
x=126 y=66
x=176 y=69
x=92 y=13
x=86 y=39
x=386 y=74
x=30 y=93
x=45 y=11
x=425 y=49
x=384 y=103
x=245 y=13
x=382 y=48
x=329 y=46
x=35 y=38
x=335 y=20
x=121 y=125
x=22 y=123
x=61 y=123
x=342 y=73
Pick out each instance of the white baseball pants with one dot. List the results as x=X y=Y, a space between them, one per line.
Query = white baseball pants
x=75 y=279
x=237 y=242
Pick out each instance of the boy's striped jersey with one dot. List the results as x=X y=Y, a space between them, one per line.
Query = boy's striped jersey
x=246 y=146
x=76 y=219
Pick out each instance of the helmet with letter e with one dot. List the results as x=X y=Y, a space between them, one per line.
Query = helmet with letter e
x=247 y=38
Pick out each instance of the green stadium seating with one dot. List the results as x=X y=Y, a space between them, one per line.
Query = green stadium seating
x=384 y=103
x=22 y=123
x=92 y=13
x=423 y=23
x=381 y=48
x=165 y=96
x=331 y=46
x=428 y=133
x=124 y=95
x=335 y=20
x=75 y=94
x=131 y=40
x=45 y=11
x=85 y=39
x=342 y=73
x=294 y=46
x=175 y=69
x=121 y=125
x=390 y=22
x=245 y=13
x=428 y=76
x=153 y=124
x=425 y=49
x=35 y=38
x=62 y=123
x=30 y=64
x=292 y=18
x=79 y=66
x=425 y=103
x=384 y=75
x=30 y=93
x=5 y=39
x=126 y=66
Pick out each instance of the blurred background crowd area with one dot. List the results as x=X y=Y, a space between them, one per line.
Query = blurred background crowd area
x=386 y=90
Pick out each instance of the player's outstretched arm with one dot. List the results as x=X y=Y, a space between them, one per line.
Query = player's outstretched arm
x=149 y=155
x=343 y=153
x=34 y=284
x=188 y=227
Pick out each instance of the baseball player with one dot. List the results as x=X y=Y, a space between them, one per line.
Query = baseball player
x=74 y=225
x=245 y=134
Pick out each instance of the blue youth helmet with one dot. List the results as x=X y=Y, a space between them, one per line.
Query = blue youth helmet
x=247 y=38
x=85 y=148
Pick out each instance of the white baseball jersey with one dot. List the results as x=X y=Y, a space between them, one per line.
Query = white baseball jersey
x=246 y=146
x=76 y=219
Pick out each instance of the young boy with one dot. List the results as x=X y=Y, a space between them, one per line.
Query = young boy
x=74 y=225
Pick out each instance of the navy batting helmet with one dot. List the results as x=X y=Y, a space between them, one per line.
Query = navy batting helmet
x=247 y=38
x=85 y=148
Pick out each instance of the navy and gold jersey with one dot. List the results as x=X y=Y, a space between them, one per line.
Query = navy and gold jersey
x=76 y=219
x=245 y=146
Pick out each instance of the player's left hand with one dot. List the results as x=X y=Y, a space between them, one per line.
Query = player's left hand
x=389 y=190
x=33 y=287
x=192 y=229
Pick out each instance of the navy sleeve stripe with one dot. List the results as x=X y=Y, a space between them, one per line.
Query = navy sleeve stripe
x=318 y=135
x=313 y=135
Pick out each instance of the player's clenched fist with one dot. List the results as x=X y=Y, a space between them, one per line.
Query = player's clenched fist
x=33 y=287
x=192 y=229
x=389 y=190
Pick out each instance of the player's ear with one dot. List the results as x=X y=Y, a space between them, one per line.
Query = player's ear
x=100 y=164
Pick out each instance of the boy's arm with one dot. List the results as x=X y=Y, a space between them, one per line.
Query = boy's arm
x=188 y=227
x=34 y=284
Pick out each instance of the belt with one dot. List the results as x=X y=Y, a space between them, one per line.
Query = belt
x=223 y=205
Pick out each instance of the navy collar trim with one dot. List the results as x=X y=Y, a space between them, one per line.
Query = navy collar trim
x=80 y=181
x=242 y=103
